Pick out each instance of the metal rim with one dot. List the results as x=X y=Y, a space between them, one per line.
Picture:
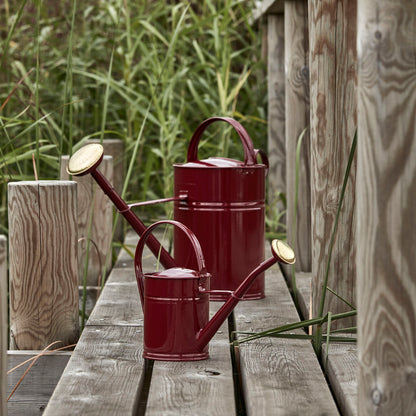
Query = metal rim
x=85 y=158
x=283 y=251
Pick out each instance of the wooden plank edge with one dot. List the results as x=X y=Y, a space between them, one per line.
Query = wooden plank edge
x=342 y=371
x=267 y=7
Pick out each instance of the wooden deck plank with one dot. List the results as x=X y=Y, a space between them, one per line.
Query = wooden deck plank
x=103 y=375
x=119 y=303
x=280 y=376
x=195 y=388
x=342 y=374
x=34 y=392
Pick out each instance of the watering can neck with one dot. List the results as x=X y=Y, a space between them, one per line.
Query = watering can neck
x=206 y=333
x=282 y=253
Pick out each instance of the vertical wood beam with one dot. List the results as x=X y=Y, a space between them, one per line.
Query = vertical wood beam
x=91 y=197
x=43 y=264
x=3 y=324
x=332 y=40
x=386 y=206
x=297 y=119
x=276 y=106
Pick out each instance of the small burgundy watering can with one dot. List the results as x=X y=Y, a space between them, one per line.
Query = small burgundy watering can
x=225 y=208
x=176 y=301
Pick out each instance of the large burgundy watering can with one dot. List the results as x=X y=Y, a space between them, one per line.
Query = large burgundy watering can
x=176 y=301
x=225 y=209
x=221 y=200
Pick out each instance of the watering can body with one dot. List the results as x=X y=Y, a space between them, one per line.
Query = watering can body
x=225 y=208
x=175 y=309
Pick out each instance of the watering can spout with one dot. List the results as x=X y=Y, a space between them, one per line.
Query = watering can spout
x=282 y=253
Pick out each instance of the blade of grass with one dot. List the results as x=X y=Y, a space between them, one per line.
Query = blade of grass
x=341 y=298
x=328 y=332
x=297 y=325
x=11 y=32
x=301 y=336
x=295 y=213
x=331 y=244
x=318 y=334
x=68 y=86
x=37 y=82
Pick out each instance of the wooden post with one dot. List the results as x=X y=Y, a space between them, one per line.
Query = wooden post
x=3 y=324
x=276 y=110
x=115 y=148
x=91 y=197
x=386 y=206
x=332 y=40
x=297 y=119
x=43 y=264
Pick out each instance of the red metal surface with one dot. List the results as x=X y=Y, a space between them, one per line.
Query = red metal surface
x=176 y=304
x=225 y=210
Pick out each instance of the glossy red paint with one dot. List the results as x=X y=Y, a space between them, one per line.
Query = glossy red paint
x=225 y=210
x=176 y=304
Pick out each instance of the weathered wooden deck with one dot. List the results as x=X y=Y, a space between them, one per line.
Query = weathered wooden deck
x=107 y=375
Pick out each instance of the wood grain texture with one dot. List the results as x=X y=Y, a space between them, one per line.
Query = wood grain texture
x=276 y=106
x=3 y=323
x=297 y=119
x=195 y=388
x=332 y=40
x=281 y=376
x=102 y=375
x=91 y=197
x=342 y=375
x=43 y=263
x=386 y=202
x=115 y=148
x=33 y=394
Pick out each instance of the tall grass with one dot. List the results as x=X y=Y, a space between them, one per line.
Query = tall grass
x=147 y=72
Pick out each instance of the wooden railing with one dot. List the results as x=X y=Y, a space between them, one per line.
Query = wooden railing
x=350 y=66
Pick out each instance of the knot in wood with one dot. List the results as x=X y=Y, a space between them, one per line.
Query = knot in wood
x=376 y=396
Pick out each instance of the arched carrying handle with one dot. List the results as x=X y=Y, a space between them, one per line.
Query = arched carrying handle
x=140 y=246
x=249 y=153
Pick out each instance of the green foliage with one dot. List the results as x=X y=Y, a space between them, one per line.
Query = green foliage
x=147 y=72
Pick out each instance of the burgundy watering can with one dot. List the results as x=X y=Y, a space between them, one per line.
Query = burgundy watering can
x=225 y=209
x=176 y=301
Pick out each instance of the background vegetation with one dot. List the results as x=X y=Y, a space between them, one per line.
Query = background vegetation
x=147 y=72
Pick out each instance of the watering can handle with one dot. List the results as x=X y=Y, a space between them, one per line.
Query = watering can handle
x=249 y=153
x=140 y=246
